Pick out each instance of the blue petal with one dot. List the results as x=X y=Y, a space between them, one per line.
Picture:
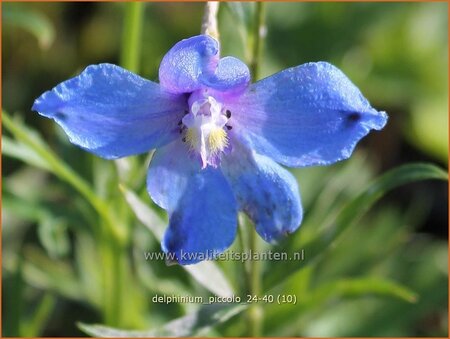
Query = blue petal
x=185 y=62
x=306 y=115
x=112 y=112
x=265 y=191
x=169 y=173
x=231 y=74
x=201 y=206
x=194 y=63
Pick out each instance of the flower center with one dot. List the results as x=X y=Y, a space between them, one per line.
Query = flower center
x=205 y=130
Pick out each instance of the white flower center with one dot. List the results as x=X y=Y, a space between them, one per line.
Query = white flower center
x=206 y=134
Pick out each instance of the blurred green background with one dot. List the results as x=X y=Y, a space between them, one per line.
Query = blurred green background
x=54 y=270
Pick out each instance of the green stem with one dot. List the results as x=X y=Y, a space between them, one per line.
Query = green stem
x=258 y=37
x=252 y=272
x=40 y=316
x=113 y=252
x=255 y=311
x=131 y=36
x=243 y=270
x=130 y=55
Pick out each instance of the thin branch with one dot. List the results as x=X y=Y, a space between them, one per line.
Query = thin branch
x=259 y=33
x=209 y=22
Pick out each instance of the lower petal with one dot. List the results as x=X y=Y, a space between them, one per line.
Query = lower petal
x=201 y=206
x=265 y=191
x=169 y=173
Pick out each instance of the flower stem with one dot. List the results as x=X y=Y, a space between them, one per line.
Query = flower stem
x=131 y=36
x=113 y=252
x=113 y=261
x=209 y=22
x=255 y=311
x=259 y=32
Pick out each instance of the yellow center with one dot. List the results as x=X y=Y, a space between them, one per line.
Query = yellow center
x=205 y=130
x=217 y=140
x=192 y=138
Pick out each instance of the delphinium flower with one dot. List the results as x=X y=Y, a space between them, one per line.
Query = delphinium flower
x=220 y=140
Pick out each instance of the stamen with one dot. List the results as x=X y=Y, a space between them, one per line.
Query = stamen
x=217 y=140
x=192 y=138
x=205 y=132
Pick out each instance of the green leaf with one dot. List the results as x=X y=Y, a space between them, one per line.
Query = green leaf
x=53 y=235
x=31 y=21
x=356 y=287
x=241 y=12
x=207 y=273
x=34 y=326
x=192 y=324
x=21 y=208
x=89 y=275
x=350 y=214
x=14 y=288
x=40 y=271
x=145 y=214
x=30 y=139
x=428 y=126
x=19 y=151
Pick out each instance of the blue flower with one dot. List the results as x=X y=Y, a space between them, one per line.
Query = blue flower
x=220 y=140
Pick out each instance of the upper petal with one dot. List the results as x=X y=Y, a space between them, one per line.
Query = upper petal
x=201 y=206
x=265 y=191
x=185 y=63
x=112 y=112
x=194 y=63
x=231 y=74
x=307 y=115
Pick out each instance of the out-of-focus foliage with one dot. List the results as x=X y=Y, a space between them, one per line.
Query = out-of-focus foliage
x=396 y=53
x=31 y=21
x=75 y=228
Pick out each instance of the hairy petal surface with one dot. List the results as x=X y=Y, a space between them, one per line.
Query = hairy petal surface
x=194 y=63
x=231 y=75
x=112 y=112
x=201 y=206
x=185 y=63
x=265 y=191
x=306 y=115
